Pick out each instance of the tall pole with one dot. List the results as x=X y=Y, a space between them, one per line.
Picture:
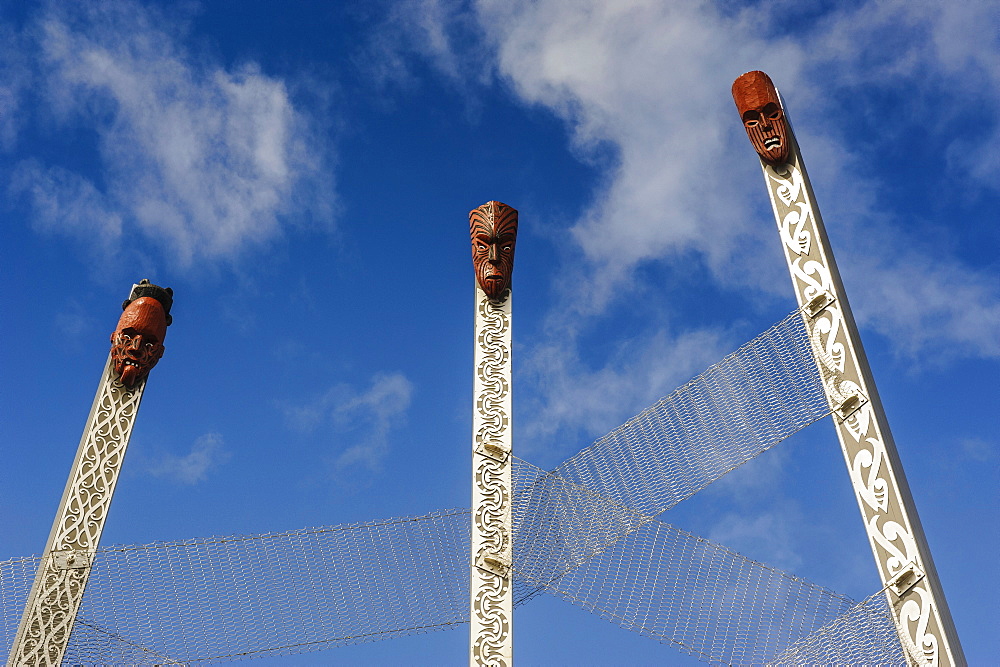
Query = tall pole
x=50 y=612
x=903 y=558
x=493 y=228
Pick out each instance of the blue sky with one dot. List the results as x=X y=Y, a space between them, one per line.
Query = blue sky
x=300 y=174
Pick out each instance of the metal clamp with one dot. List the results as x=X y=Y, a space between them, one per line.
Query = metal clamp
x=497 y=564
x=905 y=579
x=819 y=303
x=493 y=449
x=71 y=560
x=851 y=404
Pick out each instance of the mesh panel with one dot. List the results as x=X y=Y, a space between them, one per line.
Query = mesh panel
x=706 y=600
x=864 y=635
x=224 y=598
x=748 y=402
x=585 y=532
x=762 y=393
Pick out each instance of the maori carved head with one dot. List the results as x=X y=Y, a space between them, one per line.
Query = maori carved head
x=137 y=342
x=493 y=228
x=763 y=118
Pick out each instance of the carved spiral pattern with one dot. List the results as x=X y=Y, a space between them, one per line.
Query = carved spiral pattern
x=58 y=592
x=492 y=373
x=491 y=514
x=493 y=509
x=494 y=626
x=874 y=484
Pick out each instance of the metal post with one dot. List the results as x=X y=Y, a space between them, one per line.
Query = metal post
x=50 y=612
x=493 y=227
x=902 y=555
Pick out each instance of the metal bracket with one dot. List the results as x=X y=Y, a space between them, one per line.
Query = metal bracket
x=819 y=303
x=497 y=564
x=850 y=405
x=905 y=579
x=493 y=449
x=71 y=560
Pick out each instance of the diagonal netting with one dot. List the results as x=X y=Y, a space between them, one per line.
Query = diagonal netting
x=224 y=599
x=221 y=599
x=762 y=393
x=864 y=635
x=585 y=531
x=652 y=578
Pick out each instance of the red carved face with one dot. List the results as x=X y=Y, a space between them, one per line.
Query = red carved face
x=137 y=343
x=764 y=120
x=493 y=228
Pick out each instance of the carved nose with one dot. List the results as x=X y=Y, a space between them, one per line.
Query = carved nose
x=134 y=344
x=493 y=253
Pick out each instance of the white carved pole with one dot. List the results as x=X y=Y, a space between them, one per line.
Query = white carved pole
x=64 y=568
x=902 y=555
x=493 y=227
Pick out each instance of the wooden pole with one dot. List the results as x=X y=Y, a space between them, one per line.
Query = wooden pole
x=52 y=605
x=493 y=228
x=903 y=558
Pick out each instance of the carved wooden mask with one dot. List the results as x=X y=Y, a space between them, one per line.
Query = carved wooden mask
x=764 y=119
x=493 y=228
x=137 y=343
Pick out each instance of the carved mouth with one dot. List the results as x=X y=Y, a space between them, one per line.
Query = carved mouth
x=773 y=142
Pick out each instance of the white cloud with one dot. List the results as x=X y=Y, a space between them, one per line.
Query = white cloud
x=573 y=403
x=769 y=537
x=65 y=201
x=425 y=27
x=361 y=421
x=15 y=77
x=207 y=453
x=203 y=161
x=922 y=302
x=647 y=83
x=650 y=80
x=977 y=449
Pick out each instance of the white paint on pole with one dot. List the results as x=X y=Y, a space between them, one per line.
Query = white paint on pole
x=902 y=555
x=490 y=581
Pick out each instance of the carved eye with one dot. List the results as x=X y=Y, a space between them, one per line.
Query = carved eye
x=751 y=118
x=772 y=111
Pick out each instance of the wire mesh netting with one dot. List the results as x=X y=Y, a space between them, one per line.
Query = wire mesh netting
x=762 y=393
x=652 y=578
x=222 y=599
x=585 y=531
x=863 y=635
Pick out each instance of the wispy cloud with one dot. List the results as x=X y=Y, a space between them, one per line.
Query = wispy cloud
x=360 y=420
x=15 y=77
x=426 y=27
x=650 y=81
x=977 y=449
x=207 y=453
x=201 y=160
x=768 y=536
x=572 y=403
x=643 y=87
